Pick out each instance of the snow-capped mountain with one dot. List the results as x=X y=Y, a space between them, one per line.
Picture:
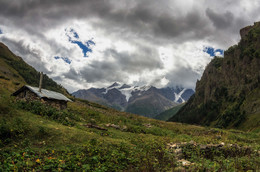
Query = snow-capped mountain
x=143 y=100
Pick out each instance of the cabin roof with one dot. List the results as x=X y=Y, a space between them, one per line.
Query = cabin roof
x=43 y=94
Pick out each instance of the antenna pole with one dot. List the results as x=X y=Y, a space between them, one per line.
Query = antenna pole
x=40 y=84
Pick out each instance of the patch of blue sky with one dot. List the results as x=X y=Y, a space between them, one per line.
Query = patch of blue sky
x=84 y=46
x=75 y=34
x=65 y=59
x=213 y=52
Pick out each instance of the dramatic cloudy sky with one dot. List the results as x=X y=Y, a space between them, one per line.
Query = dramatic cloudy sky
x=93 y=43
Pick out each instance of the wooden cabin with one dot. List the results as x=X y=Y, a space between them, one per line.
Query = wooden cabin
x=52 y=98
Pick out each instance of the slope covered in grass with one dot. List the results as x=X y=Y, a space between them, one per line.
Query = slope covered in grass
x=169 y=113
x=41 y=138
x=14 y=68
x=91 y=137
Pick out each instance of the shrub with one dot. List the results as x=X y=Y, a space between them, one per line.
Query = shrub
x=64 y=117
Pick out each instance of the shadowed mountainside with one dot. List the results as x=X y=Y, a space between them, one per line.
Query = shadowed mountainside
x=228 y=94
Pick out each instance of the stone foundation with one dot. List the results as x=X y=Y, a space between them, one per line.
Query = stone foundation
x=27 y=95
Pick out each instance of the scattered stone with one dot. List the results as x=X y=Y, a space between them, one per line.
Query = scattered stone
x=178 y=151
x=184 y=162
x=172 y=145
x=113 y=126
x=94 y=126
x=148 y=125
x=202 y=147
x=192 y=142
x=124 y=127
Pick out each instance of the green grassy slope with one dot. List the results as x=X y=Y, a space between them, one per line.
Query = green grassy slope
x=17 y=69
x=34 y=137
x=227 y=96
x=149 y=105
x=40 y=138
x=169 y=113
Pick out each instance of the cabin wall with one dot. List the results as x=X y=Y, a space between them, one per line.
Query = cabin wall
x=58 y=104
x=27 y=95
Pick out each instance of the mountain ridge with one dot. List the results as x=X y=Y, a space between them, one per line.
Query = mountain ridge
x=136 y=99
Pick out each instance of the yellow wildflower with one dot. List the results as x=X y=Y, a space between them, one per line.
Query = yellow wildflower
x=38 y=160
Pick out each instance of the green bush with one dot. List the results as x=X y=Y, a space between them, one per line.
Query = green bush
x=64 y=117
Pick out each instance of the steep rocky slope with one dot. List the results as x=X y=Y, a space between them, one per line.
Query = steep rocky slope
x=228 y=94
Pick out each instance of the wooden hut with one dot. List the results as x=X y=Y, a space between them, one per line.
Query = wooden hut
x=52 y=98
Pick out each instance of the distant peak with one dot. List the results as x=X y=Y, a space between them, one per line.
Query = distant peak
x=114 y=85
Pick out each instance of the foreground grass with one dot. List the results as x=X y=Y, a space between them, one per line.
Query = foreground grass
x=34 y=137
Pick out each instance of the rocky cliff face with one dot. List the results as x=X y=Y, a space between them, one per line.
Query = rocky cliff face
x=228 y=94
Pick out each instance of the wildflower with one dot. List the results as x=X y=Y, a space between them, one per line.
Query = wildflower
x=38 y=160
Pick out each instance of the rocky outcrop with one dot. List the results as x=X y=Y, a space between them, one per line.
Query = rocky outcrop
x=244 y=31
x=183 y=151
x=228 y=93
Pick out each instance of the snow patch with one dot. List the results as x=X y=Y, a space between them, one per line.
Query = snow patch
x=110 y=88
x=178 y=96
x=127 y=92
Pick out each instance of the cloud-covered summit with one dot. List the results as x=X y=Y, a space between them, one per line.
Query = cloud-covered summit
x=139 y=42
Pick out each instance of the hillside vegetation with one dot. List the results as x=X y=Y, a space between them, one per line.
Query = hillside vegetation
x=166 y=115
x=14 y=68
x=228 y=94
x=91 y=137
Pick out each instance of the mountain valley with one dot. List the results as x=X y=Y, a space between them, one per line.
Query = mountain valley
x=89 y=136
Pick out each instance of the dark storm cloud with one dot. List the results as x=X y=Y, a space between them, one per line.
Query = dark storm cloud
x=122 y=65
x=220 y=20
x=143 y=59
x=102 y=72
x=145 y=17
